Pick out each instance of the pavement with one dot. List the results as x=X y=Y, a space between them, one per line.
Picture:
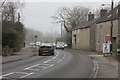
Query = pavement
x=24 y=53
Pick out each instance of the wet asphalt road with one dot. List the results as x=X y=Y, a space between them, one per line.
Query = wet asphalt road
x=65 y=64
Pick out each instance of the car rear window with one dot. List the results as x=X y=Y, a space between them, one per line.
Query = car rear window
x=45 y=47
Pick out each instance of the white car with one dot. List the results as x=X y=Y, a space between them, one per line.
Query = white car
x=60 y=45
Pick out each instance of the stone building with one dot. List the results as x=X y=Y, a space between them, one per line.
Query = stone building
x=92 y=34
x=83 y=36
x=103 y=29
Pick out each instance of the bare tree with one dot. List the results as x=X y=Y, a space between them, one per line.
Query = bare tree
x=10 y=10
x=71 y=18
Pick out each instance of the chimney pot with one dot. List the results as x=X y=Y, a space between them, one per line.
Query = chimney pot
x=103 y=12
x=90 y=16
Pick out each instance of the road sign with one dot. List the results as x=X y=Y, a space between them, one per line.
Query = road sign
x=106 y=47
x=107 y=38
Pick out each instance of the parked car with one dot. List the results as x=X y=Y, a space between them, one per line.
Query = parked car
x=60 y=45
x=46 y=49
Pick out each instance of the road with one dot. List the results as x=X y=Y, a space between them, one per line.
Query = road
x=65 y=64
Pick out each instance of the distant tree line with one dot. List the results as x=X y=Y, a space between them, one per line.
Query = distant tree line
x=41 y=37
x=13 y=31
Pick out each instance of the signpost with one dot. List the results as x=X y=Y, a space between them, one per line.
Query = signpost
x=106 y=48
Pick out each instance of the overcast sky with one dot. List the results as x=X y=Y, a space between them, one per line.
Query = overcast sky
x=37 y=13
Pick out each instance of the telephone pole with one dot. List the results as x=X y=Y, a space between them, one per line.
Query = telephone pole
x=18 y=17
x=111 y=29
x=118 y=34
x=61 y=30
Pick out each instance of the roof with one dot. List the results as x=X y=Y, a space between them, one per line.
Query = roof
x=86 y=24
x=108 y=16
x=105 y=18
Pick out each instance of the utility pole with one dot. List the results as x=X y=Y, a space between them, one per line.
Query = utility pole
x=61 y=30
x=118 y=34
x=111 y=29
x=51 y=35
x=18 y=17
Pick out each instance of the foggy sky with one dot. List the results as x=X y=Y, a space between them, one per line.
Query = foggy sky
x=38 y=14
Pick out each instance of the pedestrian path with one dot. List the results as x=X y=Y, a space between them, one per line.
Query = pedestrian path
x=24 y=53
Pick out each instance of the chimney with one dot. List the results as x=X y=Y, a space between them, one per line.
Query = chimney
x=90 y=16
x=119 y=9
x=103 y=12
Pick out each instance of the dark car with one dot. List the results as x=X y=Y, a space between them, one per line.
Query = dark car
x=46 y=49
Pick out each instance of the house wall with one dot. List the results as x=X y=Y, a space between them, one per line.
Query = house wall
x=92 y=37
x=84 y=39
x=103 y=29
x=73 y=39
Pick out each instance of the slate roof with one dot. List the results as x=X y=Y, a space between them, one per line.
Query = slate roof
x=86 y=24
x=108 y=16
x=105 y=18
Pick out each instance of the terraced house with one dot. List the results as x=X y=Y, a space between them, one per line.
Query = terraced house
x=92 y=34
x=103 y=28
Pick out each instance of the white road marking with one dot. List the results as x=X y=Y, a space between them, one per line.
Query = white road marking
x=26 y=75
x=0 y=77
x=47 y=61
x=37 y=65
x=96 y=67
x=33 y=69
x=7 y=74
x=21 y=72
x=95 y=55
x=59 y=61
x=54 y=57
x=31 y=66
x=43 y=65
x=57 y=53
x=51 y=65
x=48 y=67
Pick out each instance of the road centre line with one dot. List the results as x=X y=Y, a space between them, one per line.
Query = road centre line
x=26 y=75
x=47 y=61
x=7 y=74
x=59 y=61
x=47 y=67
x=54 y=57
x=51 y=59
x=22 y=72
x=34 y=69
x=31 y=66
